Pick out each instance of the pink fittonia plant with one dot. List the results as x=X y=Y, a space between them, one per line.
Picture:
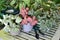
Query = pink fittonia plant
x=30 y=20
x=24 y=11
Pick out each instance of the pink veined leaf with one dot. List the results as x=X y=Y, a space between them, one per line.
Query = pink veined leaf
x=27 y=9
x=24 y=21
x=29 y=19
x=24 y=11
x=34 y=22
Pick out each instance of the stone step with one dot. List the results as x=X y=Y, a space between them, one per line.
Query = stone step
x=48 y=35
x=14 y=36
x=31 y=35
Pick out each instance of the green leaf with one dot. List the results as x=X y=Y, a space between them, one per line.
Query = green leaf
x=12 y=2
x=16 y=6
x=21 y=5
x=27 y=2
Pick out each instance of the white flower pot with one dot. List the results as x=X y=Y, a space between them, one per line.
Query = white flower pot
x=27 y=27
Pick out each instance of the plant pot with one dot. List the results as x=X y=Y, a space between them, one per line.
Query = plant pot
x=27 y=27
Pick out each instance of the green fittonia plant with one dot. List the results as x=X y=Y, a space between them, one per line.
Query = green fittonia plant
x=11 y=23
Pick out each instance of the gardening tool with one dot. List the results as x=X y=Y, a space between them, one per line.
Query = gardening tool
x=10 y=11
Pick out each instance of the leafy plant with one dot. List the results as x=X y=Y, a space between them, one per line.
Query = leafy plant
x=46 y=13
x=4 y=4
